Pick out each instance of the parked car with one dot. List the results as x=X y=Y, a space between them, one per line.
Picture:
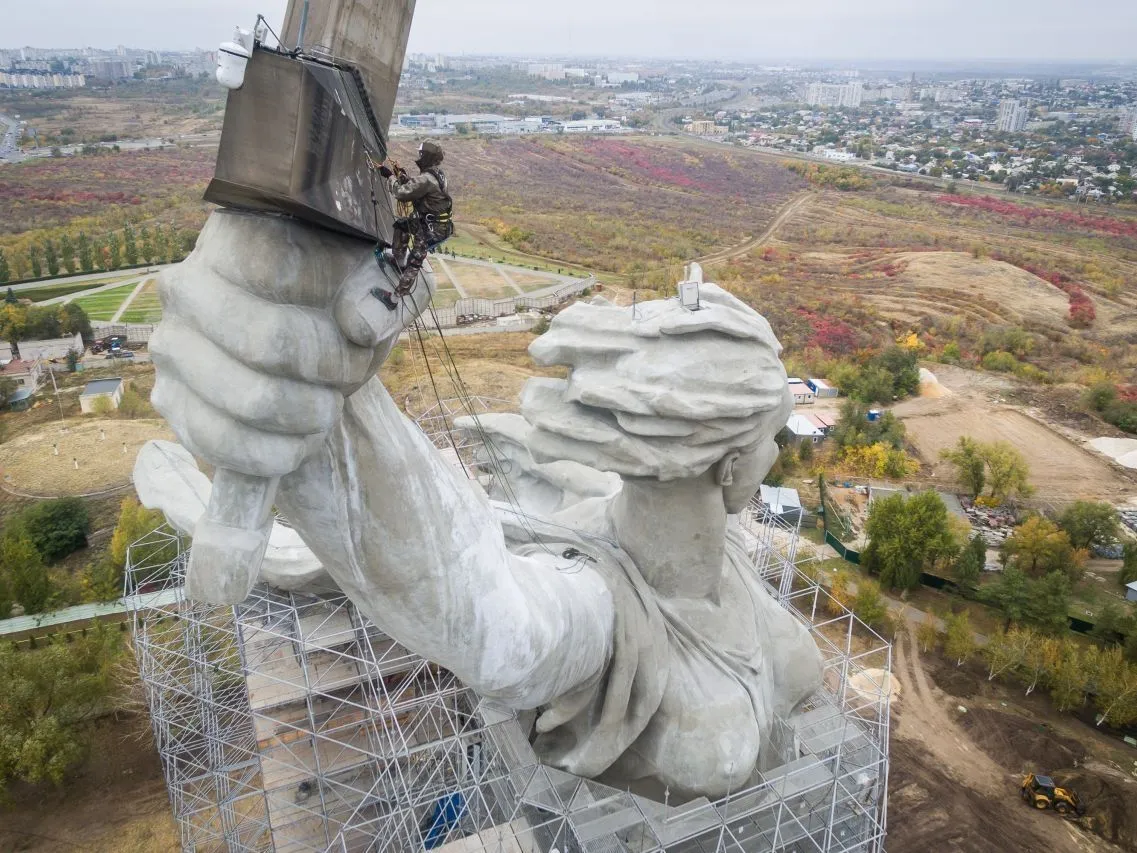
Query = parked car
x=120 y=353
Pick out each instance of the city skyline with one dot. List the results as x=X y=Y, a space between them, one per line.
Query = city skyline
x=1010 y=30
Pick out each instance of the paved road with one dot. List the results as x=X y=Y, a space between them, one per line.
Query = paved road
x=10 y=133
x=123 y=275
x=63 y=300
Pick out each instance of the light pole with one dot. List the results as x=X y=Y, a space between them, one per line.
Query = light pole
x=58 y=399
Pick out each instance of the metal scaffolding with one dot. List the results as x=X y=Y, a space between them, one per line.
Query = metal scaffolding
x=290 y=723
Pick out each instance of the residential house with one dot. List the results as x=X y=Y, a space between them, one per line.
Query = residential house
x=803 y=429
x=26 y=374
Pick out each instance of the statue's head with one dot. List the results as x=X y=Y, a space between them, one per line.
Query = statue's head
x=663 y=393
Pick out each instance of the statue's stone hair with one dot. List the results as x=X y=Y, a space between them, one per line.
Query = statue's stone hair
x=657 y=391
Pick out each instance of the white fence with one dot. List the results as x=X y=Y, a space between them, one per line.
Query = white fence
x=461 y=313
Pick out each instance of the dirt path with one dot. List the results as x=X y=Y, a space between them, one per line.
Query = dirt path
x=788 y=211
x=947 y=793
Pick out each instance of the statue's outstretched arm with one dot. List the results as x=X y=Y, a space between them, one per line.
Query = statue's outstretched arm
x=254 y=370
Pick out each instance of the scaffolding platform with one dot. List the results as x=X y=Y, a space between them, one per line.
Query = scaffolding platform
x=290 y=724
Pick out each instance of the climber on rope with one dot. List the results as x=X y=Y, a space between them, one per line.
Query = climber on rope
x=432 y=222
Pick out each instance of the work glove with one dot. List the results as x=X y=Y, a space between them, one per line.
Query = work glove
x=385 y=172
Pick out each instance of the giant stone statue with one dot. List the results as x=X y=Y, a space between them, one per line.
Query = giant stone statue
x=602 y=587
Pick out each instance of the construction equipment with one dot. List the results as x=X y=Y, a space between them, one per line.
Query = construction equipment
x=1042 y=793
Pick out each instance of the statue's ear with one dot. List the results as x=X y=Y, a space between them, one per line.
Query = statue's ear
x=724 y=473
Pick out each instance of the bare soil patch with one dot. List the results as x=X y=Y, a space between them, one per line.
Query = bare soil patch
x=28 y=463
x=117 y=803
x=1060 y=468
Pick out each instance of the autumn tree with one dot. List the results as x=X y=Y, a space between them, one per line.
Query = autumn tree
x=86 y=253
x=928 y=632
x=959 y=639
x=28 y=580
x=1066 y=673
x=1007 y=650
x=970 y=465
x=5 y=270
x=49 y=694
x=1039 y=546
x=1090 y=524
x=1008 y=475
x=1115 y=685
x=968 y=566
x=104 y=579
x=907 y=536
x=840 y=593
x=51 y=257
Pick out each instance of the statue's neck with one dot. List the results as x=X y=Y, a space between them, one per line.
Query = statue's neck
x=676 y=534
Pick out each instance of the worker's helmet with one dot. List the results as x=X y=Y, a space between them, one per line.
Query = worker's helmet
x=429 y=155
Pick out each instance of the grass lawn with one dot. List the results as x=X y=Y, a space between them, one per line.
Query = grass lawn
x=445 y=297
x=146 y=307
x=103 y=306
x=65 y=288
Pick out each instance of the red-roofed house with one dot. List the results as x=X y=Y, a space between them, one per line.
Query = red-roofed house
x=26 y=374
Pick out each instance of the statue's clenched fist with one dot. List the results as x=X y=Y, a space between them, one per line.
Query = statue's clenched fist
x=266 y=328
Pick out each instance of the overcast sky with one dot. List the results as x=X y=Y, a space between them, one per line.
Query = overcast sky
x=735 y=29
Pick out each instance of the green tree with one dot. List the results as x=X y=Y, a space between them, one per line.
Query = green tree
x=161 y=245
x=49 y=694
x=66 y=254
x=10 y=297
x=968 y=566
x=1049 y=603
x=903 y=367
x=145 y=247
x=21 y=563
x=869 y=606
x=56 y=527
x=86 y=253
x=1011 y=594
x=5 y=270
x=1112 y=625
x=959 y=638
x=6 y=595
x=51 y=256
x=1090 y=524
x=906 y=538
x=130 y=246
x=34 y=261
x=114 y=252
x=1038 y=546
x=1128 y=573
x=970 y=465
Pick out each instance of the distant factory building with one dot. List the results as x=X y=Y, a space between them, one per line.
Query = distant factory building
x=592 y=125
